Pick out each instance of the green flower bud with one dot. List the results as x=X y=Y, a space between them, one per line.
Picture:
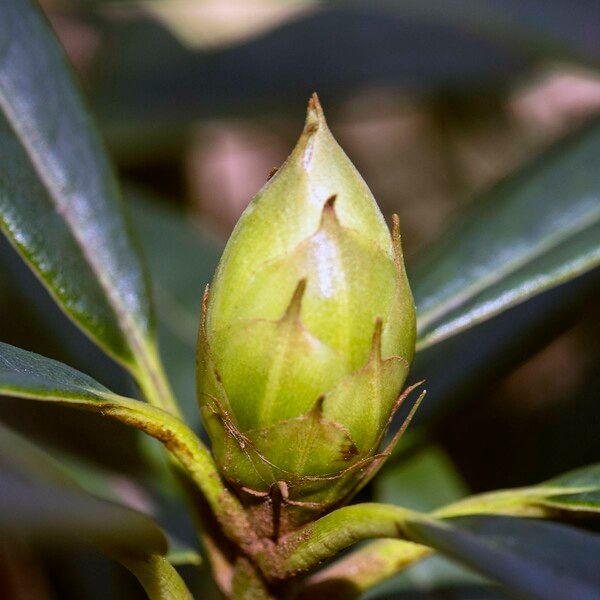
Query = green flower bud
x=307 y=333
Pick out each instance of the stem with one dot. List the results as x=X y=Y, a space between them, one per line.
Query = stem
x=195 y=459
x=247 y=583
x=356 y=573
x=154 y=384
x=158 y=577
x=324 y=538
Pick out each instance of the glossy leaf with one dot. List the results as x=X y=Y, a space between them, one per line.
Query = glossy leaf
x=534 y=231
x=532 y=559
x=374 y=562
x=60 y=204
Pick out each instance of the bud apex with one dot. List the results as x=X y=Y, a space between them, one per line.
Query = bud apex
x=307 y=332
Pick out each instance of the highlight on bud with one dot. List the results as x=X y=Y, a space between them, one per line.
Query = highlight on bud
x=307 y=334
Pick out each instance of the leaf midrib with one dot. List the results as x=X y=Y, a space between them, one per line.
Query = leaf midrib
x=126 y=323
x=538 y=250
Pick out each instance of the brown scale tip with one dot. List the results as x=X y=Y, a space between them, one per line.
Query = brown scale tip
x=328 y=212
x=317 y=408
x=272 y=172
x=314 y=114
x=295 y=305
x=376 y=340
x=396 y=241
x=204 y=307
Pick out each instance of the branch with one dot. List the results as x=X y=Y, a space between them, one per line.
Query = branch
x=27 y=375
x=362 y=569
x=303 y=549
x=157 y=575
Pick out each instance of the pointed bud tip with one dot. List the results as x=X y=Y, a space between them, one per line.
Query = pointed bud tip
x=204 y=308
x=397 y=242
x=314 y=114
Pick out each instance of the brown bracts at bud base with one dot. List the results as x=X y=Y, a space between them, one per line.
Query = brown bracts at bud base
x=307 y=334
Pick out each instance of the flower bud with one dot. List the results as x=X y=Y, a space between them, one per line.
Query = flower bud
x=307 y=332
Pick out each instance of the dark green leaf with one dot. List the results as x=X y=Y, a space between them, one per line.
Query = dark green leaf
x=533 y=559
x=59 y=200
x=25 y=373
x=532 y=232
x=137 y=101
x=41 y=511
x=41 y=501
x=585 y=477
x=28 y=375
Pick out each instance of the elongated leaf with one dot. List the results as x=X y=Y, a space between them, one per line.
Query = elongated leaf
x=576 y=491
x=59 y=199
x=533 y=559
x=532 y=232
x=585 y=478
x=158 y=577
x=51 y=514
x=40 y=501
x=28 y=375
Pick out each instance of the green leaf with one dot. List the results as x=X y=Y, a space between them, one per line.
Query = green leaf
x=535 y=230
x=60 y=205
x=158 y=577
x=532 y=559
x=586 y=478
x=43 y=512
x=576 y=491
x=28 y=375
x=40 y=501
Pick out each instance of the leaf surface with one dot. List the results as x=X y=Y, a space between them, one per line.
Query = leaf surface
x=60 y=203
x=533 y=559
x=537 y=229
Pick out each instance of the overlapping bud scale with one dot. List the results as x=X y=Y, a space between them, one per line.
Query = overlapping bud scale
x=307 y=332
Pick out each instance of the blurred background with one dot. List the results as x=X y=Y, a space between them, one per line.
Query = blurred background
x=434 y=102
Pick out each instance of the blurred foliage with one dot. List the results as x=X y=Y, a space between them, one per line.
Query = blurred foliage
x=435 y=103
